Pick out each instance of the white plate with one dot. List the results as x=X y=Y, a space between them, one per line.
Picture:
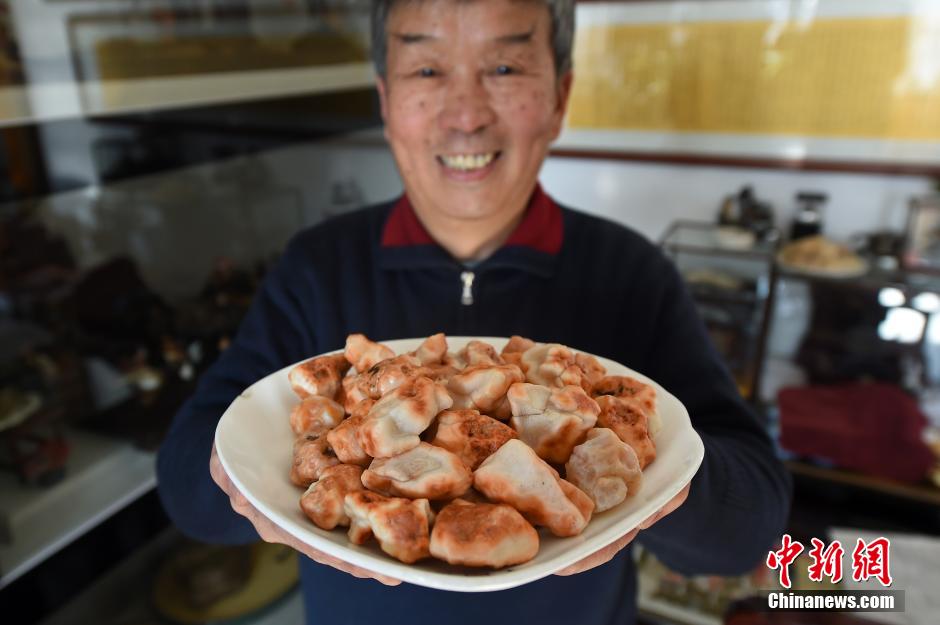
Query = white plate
x=254 y=443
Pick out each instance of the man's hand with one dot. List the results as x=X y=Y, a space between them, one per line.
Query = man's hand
x=273 y=534
x=604 y=555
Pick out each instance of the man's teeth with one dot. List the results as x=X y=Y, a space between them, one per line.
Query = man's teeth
x=467 y=162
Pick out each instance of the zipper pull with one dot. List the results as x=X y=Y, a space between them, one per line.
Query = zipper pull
x=467 y=297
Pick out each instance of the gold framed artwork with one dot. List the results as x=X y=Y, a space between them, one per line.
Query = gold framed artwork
x=854 y=84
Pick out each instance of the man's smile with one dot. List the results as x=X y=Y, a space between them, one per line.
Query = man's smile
x=468 y=161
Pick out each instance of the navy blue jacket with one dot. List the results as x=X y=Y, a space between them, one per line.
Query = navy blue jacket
x=563 y=277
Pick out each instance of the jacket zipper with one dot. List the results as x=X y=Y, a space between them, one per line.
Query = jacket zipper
x=466 y=297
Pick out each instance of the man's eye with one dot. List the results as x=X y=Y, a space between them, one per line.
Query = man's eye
x=427 y=72
x=504 y=70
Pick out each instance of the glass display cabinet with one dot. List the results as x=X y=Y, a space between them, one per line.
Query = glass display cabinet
x=731 y=275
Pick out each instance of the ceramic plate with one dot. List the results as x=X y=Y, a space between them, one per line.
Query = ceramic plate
x=254 y=442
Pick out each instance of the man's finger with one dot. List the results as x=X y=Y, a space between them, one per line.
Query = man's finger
x=651 y=519
x=667 y=509
x=603 y=556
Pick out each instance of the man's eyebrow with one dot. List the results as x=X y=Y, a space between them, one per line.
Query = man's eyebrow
x=512 y=38
x=413 y=37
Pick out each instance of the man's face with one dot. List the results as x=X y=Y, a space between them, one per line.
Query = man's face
x=471 y=102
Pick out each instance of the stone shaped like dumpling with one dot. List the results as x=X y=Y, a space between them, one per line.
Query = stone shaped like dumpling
x=344 y=438
x=516 y=476
x=365 y=354
x=484 y=387
x=551 y=420
x=483 y=534
x=321 y=376
x=628 y=387
x=385 y=376
x=472 y=436
x=323 y=502
x=514 y=348
x=316 y=412
x=432 y=350
x=424 y=472
x=544 y=363
x=605 y=468
x=627 y=418
x=479 y=353
x=402 y=526
x=312 y=456
x=395 y=421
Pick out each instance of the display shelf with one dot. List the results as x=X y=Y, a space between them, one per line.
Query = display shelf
x=289 y=610
x=660 y=610
x=45 y=102
x=699 y=237
x=738 y=307
x=103 y=475
x=923 y=494
x=123 y=594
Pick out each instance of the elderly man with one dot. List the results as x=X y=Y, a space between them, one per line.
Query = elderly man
x=472 y=94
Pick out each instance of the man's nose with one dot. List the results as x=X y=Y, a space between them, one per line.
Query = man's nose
x=468 y=108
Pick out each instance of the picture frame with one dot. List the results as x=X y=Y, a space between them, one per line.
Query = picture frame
x=753 y=83
x=922 y=235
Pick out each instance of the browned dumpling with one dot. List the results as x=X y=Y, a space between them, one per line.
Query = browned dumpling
x=314 y=413
x=324 y=501
x=551 y=420
x=344 y=438
x=426 y=472
x=402 y=526
x=630 y=388
x=483 y=534
x=484 y=387
x=515 y=475
x=432 y=350
x=605 y=468
x=312 y=455
x=365 y=354
x=472 y=436
x=480 y=353
x=628 y=420
x=395 y=421
x=319 y=376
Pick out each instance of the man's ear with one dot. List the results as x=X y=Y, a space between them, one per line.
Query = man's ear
x=562 y=93
x=382 y=87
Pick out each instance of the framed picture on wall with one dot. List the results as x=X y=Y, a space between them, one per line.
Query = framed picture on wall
x=828 y=85
x=922 y=239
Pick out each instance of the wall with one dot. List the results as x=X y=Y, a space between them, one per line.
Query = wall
x=650 y=196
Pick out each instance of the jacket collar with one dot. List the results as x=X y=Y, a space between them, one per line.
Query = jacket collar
x=533 y=246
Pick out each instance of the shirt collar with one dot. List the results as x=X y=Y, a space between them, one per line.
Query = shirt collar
x=533 y=245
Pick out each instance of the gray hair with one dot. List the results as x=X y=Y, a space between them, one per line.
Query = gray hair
x=561 y=11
